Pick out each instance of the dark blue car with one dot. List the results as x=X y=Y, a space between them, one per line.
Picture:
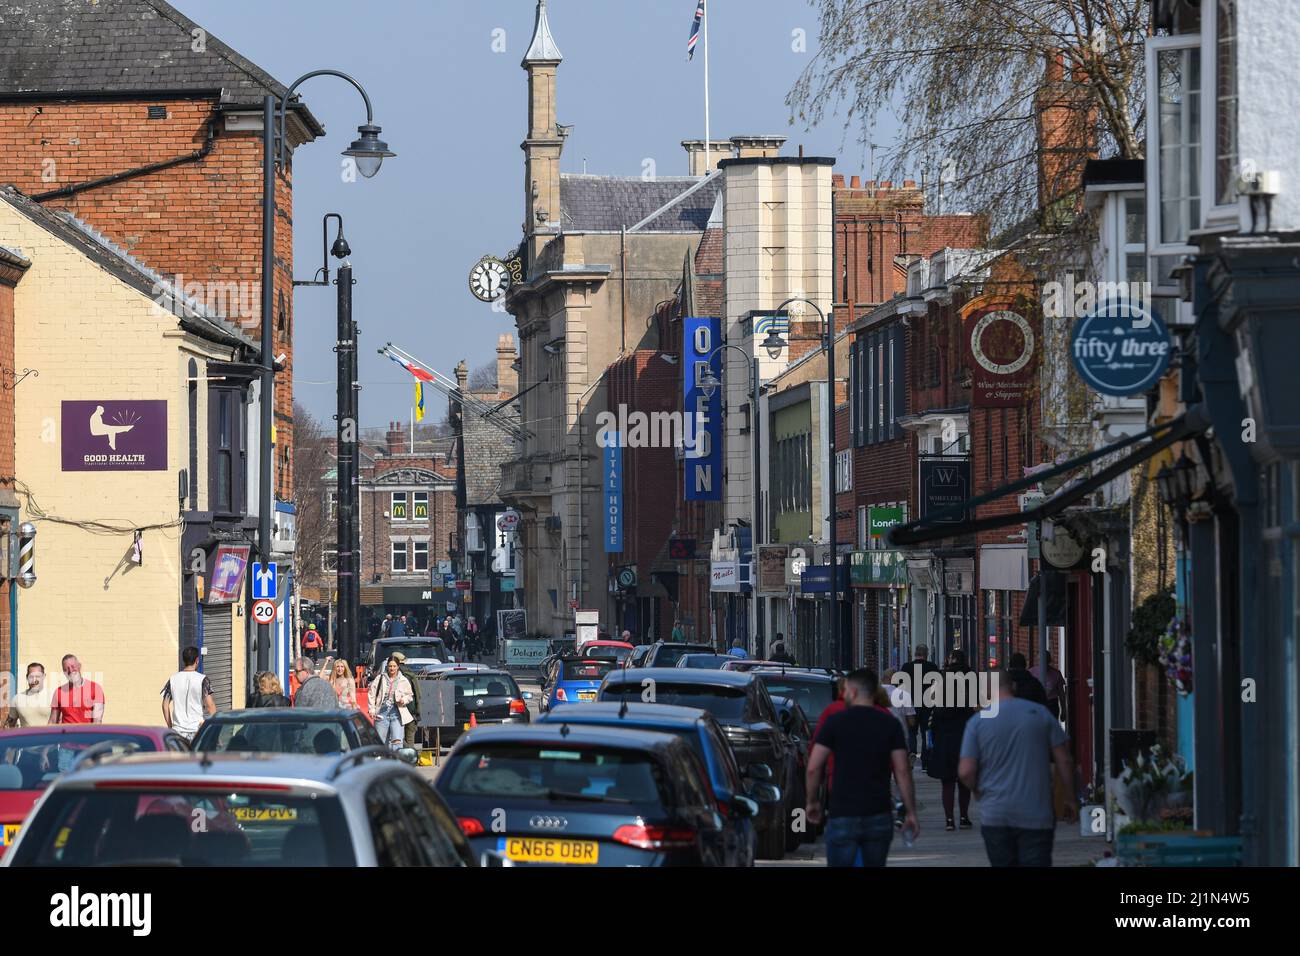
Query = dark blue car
x=562 y=794
x=699 y=729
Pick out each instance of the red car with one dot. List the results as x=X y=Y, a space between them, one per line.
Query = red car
x=619 y=651
x=31 y=757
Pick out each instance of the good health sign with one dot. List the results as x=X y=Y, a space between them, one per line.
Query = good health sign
x=1121 y=349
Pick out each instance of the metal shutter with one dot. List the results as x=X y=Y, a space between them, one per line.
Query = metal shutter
x=217 y=637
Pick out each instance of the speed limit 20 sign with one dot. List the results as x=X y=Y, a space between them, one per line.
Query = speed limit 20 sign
x=264 y=612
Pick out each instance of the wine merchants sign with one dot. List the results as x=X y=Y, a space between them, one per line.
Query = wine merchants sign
x=1000 y=346
x=107 y=435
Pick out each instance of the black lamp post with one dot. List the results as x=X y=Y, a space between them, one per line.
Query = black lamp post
x=774 y=344
x=369 y=152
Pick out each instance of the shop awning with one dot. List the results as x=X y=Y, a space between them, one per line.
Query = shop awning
x=1004 y=567
x=931 y=528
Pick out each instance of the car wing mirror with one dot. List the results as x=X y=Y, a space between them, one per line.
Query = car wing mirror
x=744 y=806
x=759 y=771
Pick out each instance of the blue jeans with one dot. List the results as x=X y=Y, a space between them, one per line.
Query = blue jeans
x=388 y=724
x=846 y=836
x=1016 y=846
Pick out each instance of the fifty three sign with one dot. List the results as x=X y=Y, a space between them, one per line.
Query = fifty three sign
x=115 y=436
x=1121 y=349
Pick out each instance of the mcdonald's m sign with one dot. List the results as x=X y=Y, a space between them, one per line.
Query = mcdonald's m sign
x=945 y=481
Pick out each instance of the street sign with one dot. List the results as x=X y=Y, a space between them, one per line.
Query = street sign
x=264 y=611
x=437 y=703
x=449 y=581
x=1120 y=349
x=508 y=520
x=264 y=580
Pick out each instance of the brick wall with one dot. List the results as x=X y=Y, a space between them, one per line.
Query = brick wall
x=201 y=220
x=378 y=530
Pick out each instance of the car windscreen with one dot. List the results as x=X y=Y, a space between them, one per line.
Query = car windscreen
x=124 y=826
x=619 y=654
x=553 y=772
x=669 y=654
x=485 y=685
x=812 y=696
x=725 y=703
x=586 y=670
x=38 y=758
x=417 y=650
x=706 y=662
x=275 y=736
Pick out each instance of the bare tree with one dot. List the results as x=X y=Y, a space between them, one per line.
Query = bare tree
x=313 y=458
x=483 y=378
x=968 y=80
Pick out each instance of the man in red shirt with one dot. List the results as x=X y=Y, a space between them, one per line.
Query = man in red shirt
x=79 y=701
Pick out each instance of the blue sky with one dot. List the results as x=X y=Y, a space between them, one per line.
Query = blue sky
x=453 y=109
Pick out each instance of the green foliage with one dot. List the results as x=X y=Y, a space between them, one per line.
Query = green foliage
x=1150 y=620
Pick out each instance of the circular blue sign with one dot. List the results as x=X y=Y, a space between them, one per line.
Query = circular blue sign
x=1121 y=349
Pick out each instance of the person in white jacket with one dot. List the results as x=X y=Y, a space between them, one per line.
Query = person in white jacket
x=389 y=696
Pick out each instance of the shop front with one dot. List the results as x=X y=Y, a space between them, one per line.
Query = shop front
x=879 y=581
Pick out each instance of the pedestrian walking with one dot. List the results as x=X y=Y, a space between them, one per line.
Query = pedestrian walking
x=388 y=699
x=679 y=633
x=868 y=747
x=947 y=724
x=313 y=692
x=916 y=669
x=312 y=644
x=398 y=627
x=1053 y=687
x=1023 y=683
x=269 y=692
x=187 y=696
x=32 y=705
x=386 y=628
x=79 y=701
x=1006 y=759
x=738 y=650
x=779 y=656
x=344 y=684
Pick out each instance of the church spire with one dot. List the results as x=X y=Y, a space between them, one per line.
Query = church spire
x=543 y=48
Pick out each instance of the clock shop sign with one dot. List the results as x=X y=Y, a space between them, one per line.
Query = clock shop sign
x=1001 y=351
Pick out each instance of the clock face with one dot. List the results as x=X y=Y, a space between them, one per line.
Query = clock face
x=489 y=279
x=1063 y=551
x=1002 y=342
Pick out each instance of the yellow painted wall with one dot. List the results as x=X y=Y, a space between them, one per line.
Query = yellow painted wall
x=91 y=336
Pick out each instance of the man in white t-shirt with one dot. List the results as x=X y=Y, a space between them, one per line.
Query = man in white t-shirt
x=187 y=696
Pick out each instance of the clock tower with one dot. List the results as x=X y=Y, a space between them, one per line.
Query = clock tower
x=545 y=139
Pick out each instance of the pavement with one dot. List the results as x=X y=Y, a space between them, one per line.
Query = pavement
x=933 y=847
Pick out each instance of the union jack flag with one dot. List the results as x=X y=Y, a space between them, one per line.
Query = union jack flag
x=695 y=31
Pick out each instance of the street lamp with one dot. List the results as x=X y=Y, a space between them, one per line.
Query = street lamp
x=369 y=152
x=775 y=343
x=709 y=384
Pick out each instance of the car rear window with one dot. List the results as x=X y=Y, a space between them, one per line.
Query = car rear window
x=556 y=772
x=706 y=662
x=668 y=655
x=419 y=650
x=725 y=703
x=274 y=736
x=619 y=654
x=485 y=685
x=812 y=696
x=158 y=827
x=36 y=759
x=586 y=670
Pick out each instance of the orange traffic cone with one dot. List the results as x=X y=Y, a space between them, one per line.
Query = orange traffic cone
x=473 y=721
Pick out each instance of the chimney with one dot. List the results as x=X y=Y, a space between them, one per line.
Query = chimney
x=886 y=184
x=871 y=184
x=396 y=440
x=909 y=183
x=719 y=149
x=462 y=375
x=837 y=181
x=855 y=182
x=748 y=147
x=507 y=377
x=1066 y=140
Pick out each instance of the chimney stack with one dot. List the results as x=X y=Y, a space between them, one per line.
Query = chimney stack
x=396 y=440
x=748 y=147
x=507 y=377
x=462 y=375
x=855 y=182
x=719 y=149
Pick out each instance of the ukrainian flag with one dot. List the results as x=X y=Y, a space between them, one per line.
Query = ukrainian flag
x=419 y=401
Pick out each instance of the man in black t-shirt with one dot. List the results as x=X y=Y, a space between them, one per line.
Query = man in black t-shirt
x=868 y=745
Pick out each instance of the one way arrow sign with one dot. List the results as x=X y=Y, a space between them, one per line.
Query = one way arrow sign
x=264 y=581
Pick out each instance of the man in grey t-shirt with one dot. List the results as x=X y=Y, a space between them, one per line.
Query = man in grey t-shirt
x=1006 y=759
x=313 y=692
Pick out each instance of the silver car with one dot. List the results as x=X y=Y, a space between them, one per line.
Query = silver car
x=242 y=809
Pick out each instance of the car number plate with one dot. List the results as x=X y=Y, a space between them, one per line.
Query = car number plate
x=10 y=833
x=586 y=695
x=531 y=850
x=265 y=814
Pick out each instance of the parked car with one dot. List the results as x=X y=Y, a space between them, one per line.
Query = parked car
x=749 y=664
x=667 y=653
x=704 y=662
x=573 y=680
x=257 y=810
x=745 y=711
x=293 y=730
x=563 y=794
x=491 y=696
x=699 y=729
x=618 y=651
x=421 y=652
x=811 y=690
x=638 y=655
x=31 y=758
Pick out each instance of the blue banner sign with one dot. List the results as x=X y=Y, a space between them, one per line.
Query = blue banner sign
x=612 y=458
x=1121 y=349
x=703 y=427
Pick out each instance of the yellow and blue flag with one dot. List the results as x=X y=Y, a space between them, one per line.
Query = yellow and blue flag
x=419 y=401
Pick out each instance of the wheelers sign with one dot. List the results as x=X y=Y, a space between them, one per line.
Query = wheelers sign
x=1000 y=344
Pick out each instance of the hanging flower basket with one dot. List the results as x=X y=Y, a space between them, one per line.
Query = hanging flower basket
x=1176 y=654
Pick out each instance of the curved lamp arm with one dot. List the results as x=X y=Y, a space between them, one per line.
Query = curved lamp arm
x=749 y=361
x=284 y=100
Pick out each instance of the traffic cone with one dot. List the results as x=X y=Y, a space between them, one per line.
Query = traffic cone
x=473 y=720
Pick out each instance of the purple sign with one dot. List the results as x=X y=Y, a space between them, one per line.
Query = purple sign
x=115 y=436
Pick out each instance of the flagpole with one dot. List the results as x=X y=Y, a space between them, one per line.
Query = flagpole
x=708 y=143
x=412 y=431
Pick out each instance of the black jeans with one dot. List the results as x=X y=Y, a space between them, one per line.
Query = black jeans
x=1016 y=846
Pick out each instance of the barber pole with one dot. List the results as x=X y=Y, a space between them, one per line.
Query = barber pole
x=26 y=554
